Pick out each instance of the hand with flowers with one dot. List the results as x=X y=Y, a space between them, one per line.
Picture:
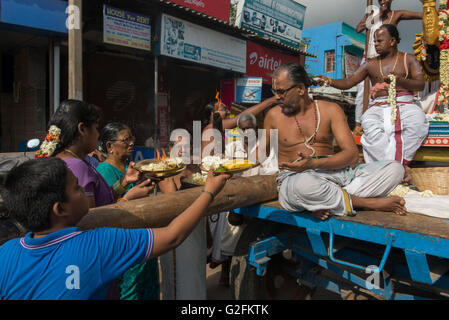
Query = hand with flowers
x=380 y=86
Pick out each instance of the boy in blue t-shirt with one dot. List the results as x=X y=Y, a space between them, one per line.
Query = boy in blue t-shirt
x=56 y=260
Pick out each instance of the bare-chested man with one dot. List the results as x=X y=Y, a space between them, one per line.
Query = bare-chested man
x=316 y=179
x=388 y=136
x=385 y=16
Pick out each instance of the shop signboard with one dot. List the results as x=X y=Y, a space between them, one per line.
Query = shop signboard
x=281 y=20
x=128 y=29
x=46 y=15
x=248 y=90
x=184 y=40
x=215 y=8
x=262 y=62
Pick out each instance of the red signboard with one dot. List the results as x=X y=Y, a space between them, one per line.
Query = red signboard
x=261 y=62
x=215 y=8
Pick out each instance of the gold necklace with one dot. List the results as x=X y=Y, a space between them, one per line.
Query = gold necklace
x=73 y=154
x=392 y=70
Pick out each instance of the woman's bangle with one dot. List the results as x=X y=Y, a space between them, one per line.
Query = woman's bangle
x=210 y=193
x=118 y=188
x=122 y=199
x=329 y=81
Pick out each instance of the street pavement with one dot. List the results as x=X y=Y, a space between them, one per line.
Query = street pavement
x=215 y=291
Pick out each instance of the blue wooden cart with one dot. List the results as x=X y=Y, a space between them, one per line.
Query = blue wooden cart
x=389 y=256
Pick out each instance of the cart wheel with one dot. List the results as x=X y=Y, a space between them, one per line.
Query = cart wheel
x=245 y=283
x=279 y=285
x=275 y=285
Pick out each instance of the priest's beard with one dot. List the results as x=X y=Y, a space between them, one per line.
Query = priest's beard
x=288 y=109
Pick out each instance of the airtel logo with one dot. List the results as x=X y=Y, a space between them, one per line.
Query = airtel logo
x=253 y=58
x=264 y=62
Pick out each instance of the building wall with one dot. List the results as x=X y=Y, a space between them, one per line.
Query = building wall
x=335 y=36
x=323 y=38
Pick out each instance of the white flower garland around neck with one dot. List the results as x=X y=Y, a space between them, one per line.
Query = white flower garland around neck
x=392 y=97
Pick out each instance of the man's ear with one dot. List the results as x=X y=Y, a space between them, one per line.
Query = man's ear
x=393 y=42
x=302 y=89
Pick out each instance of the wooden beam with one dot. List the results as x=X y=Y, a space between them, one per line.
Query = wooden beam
x=158 y=211
x=75 y=49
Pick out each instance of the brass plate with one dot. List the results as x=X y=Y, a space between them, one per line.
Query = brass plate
x=160 y=173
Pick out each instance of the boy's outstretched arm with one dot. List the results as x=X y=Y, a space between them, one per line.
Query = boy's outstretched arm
x=176 y=232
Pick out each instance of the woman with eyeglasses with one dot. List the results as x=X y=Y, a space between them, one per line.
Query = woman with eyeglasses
x=117 y=142
x=142 y=281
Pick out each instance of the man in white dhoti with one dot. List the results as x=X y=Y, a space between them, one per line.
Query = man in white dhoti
x=315 y=178
x=394 y=126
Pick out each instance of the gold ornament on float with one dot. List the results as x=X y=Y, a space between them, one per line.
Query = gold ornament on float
x=430 y=22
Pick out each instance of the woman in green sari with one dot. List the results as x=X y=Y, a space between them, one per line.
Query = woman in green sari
x=142 y=281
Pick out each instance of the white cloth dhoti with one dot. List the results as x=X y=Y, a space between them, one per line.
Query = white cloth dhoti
x=217 y=223
x=314 y=190
x=184 y=278
x=383 y=140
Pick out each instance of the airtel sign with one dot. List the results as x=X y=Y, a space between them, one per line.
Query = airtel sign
x=261 y=62
x=215 y=8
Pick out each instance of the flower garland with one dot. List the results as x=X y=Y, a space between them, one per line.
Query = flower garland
x=50 y=143
x=443 y=95
x=392 y=97
x=421 y=51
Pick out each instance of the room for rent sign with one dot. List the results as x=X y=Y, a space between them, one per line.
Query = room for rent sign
x=124 y=28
